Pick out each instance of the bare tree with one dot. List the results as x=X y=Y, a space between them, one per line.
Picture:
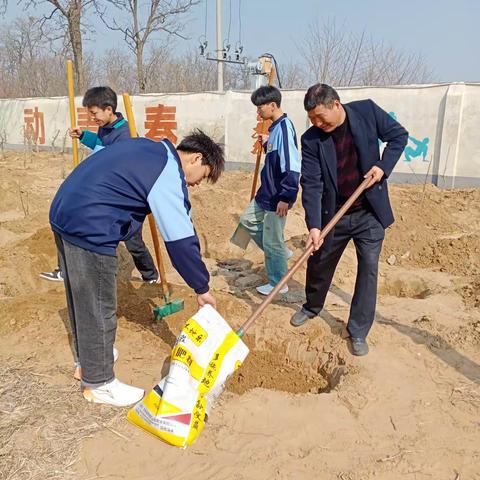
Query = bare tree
x=389 y=66
x=186 y=73
x=27 y=66
x=145 y=20
x=293 y=75
x=336 y=56
x=189 y=73
x=64 y=21
x=118 y=71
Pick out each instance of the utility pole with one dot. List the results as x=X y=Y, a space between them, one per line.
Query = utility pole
x=222 y=55
x=219 y=47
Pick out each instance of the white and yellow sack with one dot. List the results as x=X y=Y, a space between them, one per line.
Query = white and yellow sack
x=205 y=354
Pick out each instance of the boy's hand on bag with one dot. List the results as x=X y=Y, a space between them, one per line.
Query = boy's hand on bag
x=282 y=209
x=206 y=299
x=75 y=132
x=314 y=238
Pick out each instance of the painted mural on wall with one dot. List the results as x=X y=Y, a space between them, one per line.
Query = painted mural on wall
x=160 y=122
x=415 y=148
x=34 y=125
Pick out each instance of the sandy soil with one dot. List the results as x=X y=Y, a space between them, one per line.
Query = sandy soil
x=301 y=407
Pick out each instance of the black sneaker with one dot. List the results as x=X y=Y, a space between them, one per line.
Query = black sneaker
x=55 y=276
x=359 y=346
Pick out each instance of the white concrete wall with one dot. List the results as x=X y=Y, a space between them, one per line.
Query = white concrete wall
x=442 y=120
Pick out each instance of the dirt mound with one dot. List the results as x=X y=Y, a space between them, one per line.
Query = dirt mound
x=276 y=367
x=471 y=293
x=390 y=406
x=22 y=261
x=41 y=242
x=10 y=199
x=404 y=286
x=435 y=229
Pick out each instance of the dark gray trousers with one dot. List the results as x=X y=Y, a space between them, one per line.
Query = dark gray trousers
x=141 y=256
x=367 y=234
x=91 y=291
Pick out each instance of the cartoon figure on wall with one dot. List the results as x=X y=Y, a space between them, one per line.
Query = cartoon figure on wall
x=421 y=149
x=418 y=149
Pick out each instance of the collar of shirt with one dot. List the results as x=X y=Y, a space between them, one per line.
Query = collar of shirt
x=276 y=122
x=115 y=124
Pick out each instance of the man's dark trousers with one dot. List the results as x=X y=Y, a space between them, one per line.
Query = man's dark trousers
x=141 y=257
x=367 y=233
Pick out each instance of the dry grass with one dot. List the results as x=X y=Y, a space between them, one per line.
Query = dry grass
x=42 y=424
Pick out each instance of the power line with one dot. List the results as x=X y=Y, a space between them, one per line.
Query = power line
x=239 y=22
x=229 y=20
x=206 y=19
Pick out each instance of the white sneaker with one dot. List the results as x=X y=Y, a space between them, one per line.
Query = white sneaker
x=77 y=374
x=267 y=288
x=114 y=393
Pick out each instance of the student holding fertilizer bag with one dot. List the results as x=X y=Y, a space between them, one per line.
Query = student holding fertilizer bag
x=105 y=201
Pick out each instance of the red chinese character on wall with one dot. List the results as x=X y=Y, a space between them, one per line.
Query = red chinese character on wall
x=160 y=122
x=85 y=120
x=34 y=125
x=260 y=129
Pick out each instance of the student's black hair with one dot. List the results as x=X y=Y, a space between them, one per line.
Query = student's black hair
x=212 y=152
x=320 y=94
x=266 y=94
x=101 y=97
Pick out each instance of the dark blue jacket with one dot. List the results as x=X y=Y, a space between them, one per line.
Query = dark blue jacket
x=106 y=198
x=281 y=171
x=368 y=123
x=111 y=133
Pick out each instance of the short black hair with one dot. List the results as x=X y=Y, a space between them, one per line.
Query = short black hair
x=320 y=94
x=212 y=152
x=266 y=94
x=101 y=97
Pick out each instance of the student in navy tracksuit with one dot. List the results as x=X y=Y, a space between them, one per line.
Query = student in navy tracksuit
x=104 y=201
x=101 y=103
x=338 y=152
x=265 y=217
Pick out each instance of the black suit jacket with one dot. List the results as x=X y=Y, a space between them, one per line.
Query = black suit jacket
x=368 y=123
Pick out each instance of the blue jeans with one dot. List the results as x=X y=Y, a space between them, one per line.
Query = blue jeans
x=266 y=230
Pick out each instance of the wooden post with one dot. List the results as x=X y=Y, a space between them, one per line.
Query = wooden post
x=151 y=220
x=73 y=122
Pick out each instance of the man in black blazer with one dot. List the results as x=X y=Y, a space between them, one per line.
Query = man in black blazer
x=338 y=152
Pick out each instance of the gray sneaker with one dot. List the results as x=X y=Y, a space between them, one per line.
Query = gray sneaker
x=54 y=276
x=359 y=346
x=300 y=318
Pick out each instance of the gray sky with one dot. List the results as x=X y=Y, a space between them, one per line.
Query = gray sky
x=446 y=32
